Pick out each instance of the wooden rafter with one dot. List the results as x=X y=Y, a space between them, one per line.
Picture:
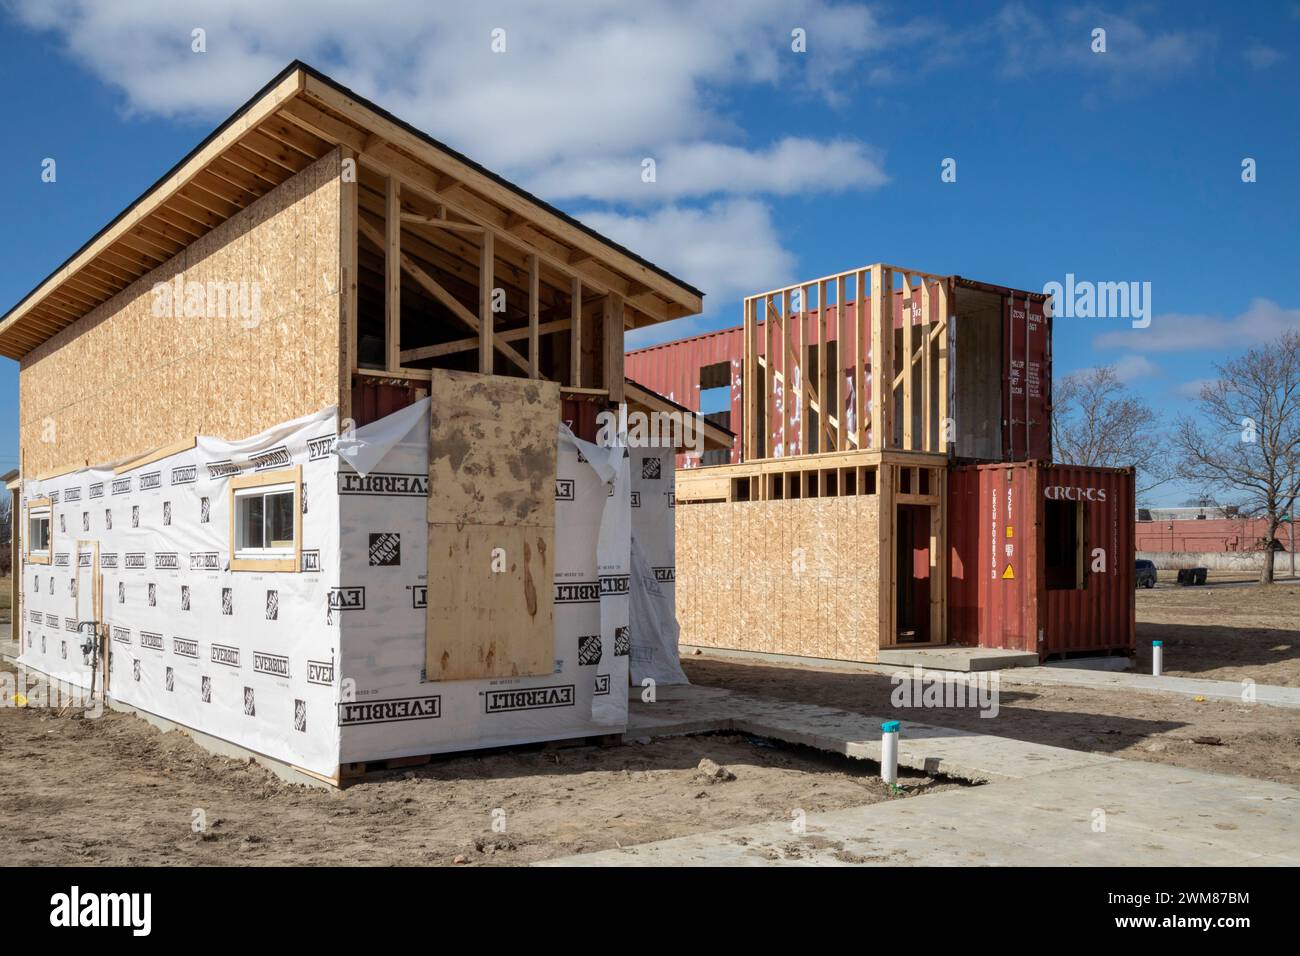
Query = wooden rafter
x=433 y=288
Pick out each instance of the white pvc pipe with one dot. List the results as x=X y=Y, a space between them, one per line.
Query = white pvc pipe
x=1157 y=655
x=889 y=752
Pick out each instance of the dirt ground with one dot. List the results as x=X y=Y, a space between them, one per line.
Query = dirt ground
x=1223 y=632
x=114 y=790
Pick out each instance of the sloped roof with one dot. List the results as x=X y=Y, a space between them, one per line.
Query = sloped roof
x=295 y=119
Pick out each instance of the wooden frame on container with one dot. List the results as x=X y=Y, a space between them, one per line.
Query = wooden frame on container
x=909 y=379
x=38 y=558
x=283 y=476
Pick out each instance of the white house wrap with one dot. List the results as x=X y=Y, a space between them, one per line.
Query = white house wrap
x=394 y=712
x=325 y=665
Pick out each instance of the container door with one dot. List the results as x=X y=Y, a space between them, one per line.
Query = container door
x=1026 y=428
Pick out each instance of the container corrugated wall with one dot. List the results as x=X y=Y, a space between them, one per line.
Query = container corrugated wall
x=1002 y=593
x=673 y=370
x=1101 y=616
x=1026 y=380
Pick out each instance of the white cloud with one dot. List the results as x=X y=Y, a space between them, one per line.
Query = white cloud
x=1260 y=324
x=575 y=76
x=1133 y=368
x=1033 y=43
x=791 y=166
x=1260 y=56
x=1128 y=369
x=1191 y=389
x=729 y=249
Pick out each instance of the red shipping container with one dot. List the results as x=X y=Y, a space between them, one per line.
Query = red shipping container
x=1002 y=370
x=1041 y=558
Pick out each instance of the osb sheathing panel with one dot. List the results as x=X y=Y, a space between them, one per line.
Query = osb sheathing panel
x=798 y=577
x=492 y=460
x=120 y=381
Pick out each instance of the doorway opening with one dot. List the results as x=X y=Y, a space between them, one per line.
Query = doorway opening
x=912 y=566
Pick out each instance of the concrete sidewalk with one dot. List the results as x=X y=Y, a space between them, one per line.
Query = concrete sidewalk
x=1268 y=694
x=1057 y=675
x=1153 y=815
x=961 y=754
x=1041 y=805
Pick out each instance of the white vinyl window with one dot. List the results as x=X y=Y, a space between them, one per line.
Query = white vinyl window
x=38 y=531
x=264 y=521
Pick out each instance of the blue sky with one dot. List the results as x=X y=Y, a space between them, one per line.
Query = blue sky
x=772 y=165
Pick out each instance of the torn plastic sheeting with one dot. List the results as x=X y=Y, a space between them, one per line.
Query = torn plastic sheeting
x=364 y=448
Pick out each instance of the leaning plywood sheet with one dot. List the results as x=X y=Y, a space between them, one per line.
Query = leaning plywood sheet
x=492 y=450
x=491 y=513
x=400 y=711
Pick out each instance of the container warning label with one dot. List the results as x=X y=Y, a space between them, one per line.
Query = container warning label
x=1008 y=574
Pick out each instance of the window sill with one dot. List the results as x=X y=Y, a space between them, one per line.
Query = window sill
x=288 y=564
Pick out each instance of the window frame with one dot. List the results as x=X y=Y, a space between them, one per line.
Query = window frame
x=44 y=556
x=278 y=559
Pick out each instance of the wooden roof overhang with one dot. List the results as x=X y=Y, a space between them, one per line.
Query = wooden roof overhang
x=298 y=117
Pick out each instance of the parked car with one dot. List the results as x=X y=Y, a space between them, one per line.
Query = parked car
x=1146 y=574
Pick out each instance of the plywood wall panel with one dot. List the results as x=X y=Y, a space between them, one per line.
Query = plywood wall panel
x=121 y=381
x=739 y=587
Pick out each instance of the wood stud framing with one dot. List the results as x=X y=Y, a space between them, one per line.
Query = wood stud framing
x=529 y=249
x=912 y=384
x=393 y=275
x=896 y=447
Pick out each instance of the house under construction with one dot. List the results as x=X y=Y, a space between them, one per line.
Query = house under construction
x=893 y=485
x=306 y=450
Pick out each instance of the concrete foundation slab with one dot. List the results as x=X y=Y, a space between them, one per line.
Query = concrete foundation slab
x=1117 y=813
x=960 y=754
x=954 y=658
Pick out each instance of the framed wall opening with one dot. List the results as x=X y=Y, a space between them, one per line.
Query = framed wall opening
x=1065 y=545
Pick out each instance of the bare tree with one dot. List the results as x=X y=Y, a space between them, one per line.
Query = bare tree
x=1096 y=421
x=1245 y=441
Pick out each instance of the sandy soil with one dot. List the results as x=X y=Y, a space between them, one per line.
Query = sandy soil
x=116 y=791
x=1224 y=633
